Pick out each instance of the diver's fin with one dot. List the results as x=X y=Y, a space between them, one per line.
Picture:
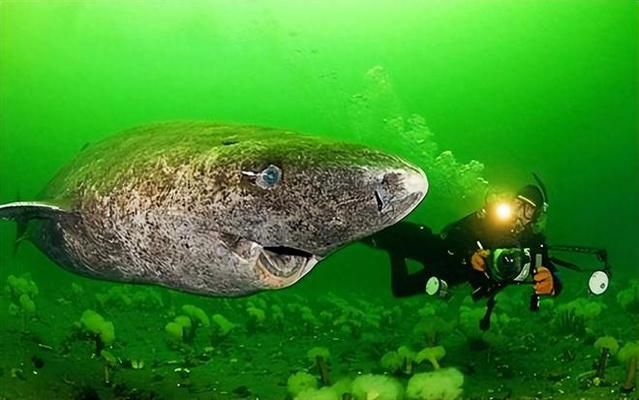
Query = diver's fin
x=22 y=211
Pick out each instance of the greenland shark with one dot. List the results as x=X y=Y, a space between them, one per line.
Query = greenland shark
x=212 y=209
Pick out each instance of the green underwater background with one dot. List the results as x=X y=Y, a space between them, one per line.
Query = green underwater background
x=480 y=94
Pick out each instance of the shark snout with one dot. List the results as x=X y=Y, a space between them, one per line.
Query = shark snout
x=400 y=191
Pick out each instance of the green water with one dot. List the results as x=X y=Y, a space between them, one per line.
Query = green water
x=509 y=87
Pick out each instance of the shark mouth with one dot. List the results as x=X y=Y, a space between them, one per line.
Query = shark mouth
x=282 y=266
x=287 y=251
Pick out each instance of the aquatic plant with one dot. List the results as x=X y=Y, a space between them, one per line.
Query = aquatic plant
x=325 y=393
x=575 y=317
x=354 y=318
x=432 y=355
x=21 y=292
x=343 y=388
x=258 y=301
x=352 y=328
x=175 y=329
x=443 y=384
x=607 y=345
x=130 y=296
x=378 y=387
x=309 y=321
x=77 y=294
x=391 y=362
x=115 y=297
x=320 y=356
x=293 y=308
x=352 y=321
x=511 y=302
x=391 y=316
x=629 y=356
x=407 y=355
x=27 y=305
x=184 y=327
x=197 y=315
x=221 y=328
x=335 y=301
x=432 y=329
x=110 y=362
x=25 y=308
x=326 y=317
x=300 y=382
x=17 y=286
x=256 y=318
x=546 y=308
x=567 y=322
x=469 y=317
x=277 y=316
x=432 y=308
x=95 y=328
x=628 y=298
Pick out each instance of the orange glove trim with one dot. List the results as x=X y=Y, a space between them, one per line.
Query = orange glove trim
x=478 y=260
x=544 y=282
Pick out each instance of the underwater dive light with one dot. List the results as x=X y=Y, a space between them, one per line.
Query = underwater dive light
x=436 y=286
x=599 y=279
x=598 y=282
x=504 y=211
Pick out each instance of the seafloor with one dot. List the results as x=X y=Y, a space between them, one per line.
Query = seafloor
x=253 y=345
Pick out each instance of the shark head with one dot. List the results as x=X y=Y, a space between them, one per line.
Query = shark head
x=300 y=198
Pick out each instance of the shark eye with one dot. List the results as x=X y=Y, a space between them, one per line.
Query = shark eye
x=269 y=177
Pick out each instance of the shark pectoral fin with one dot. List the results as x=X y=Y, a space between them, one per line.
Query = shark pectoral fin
x=23 y=211
x=22 y=233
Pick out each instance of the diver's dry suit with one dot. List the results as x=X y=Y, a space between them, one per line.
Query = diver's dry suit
x=447 y=255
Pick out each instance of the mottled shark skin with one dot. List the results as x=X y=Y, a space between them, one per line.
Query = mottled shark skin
x=183 y=205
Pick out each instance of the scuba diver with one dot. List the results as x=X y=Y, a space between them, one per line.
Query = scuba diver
x=490 y=249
